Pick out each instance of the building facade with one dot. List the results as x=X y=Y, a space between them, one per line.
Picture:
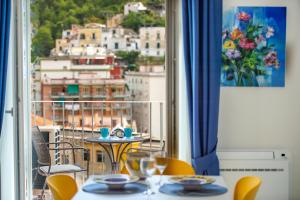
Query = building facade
x=149 y=84
x=119 y=39
x=80 y=40
x=134 y=7
x=75 y=92
x=152 y=41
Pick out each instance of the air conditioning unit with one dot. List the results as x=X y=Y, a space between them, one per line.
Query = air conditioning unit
x=272 y=166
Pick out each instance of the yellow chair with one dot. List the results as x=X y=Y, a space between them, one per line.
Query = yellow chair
x=63 y=187
x=174 y=167
x=246 y=188
x=178 y=167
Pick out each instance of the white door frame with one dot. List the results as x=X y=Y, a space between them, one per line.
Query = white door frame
x=23 y=99
x=23 y=91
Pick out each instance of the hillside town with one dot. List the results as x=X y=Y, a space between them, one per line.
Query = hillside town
x=102 y=75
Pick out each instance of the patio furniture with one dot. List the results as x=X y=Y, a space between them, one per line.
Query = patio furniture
x=114 y=154
x=246 y=188
x=44 y=165
x=62 y=186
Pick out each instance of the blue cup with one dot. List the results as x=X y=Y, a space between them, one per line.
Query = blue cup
x=104 y=132
x=128 y=132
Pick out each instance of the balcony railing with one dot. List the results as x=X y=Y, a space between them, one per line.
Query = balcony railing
x=87 y=81
x=64 y=95
x=86 y=95
x=78 y=120
x=120 y=95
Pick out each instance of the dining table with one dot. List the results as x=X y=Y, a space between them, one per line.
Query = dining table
x=154 y=180
x=115 y=147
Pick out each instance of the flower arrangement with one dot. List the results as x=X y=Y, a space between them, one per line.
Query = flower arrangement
x=247 y=52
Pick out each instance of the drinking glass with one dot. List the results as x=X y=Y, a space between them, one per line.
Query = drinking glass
x=148 y=168
x=161 y=161
x=104 y=132
x=128 y=132
x=133 y=160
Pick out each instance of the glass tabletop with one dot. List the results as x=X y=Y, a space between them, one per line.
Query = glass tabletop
x=111 y=140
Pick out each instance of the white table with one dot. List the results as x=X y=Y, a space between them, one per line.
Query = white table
x=81 y=195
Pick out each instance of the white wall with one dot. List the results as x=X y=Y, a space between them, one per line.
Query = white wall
x=7 y=139
x=263 y=118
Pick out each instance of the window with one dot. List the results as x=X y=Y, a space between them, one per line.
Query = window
x=122 y=69
x=99 y=156
x=158 y=45
x=86 y=155
x=100 y=91
x=85 y=91
x=82 y=36
x=116 y=45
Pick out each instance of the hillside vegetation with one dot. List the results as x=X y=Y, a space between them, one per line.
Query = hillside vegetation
x=49 y=18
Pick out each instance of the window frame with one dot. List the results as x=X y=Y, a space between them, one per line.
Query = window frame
x=23 y=91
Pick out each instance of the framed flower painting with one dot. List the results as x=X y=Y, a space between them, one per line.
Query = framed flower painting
x=254 y=47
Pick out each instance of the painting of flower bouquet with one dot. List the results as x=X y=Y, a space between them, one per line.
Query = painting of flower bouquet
x=253 y=53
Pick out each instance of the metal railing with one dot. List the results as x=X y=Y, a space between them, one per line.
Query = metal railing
x=79 y=120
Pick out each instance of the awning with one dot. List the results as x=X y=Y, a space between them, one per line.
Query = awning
x=73 y=89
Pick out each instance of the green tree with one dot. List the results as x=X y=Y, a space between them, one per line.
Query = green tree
x=136 y=20
x=133 y=21
x=130 y=57
x=42 y=43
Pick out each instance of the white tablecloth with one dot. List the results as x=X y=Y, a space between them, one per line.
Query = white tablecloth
x=157 y=196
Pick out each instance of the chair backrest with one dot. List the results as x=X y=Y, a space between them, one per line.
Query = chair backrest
x=178 y=167
x=40 y=147
x=246 y=188
x=174 y=167
x=63 y=187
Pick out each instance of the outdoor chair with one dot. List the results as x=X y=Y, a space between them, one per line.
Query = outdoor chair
x=44 y=165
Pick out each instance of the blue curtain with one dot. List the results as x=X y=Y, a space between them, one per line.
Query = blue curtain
x=202 y=31
x=4 y=41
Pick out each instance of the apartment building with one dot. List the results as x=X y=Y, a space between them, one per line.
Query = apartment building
x=148 y=84
x=152 y=41
x=69 y=84
x=80 y=40
x=119 y=39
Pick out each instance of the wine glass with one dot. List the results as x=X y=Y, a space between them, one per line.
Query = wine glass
x=148 y=169
x=161 y=163
x=133 y=160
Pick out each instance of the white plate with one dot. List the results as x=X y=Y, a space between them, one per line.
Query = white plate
x=116 y=181
x=192 y=182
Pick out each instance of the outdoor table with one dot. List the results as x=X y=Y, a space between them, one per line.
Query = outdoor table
x=114 y=154
x=81 y=195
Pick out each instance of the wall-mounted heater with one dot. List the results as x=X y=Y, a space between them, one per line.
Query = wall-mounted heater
x=271 y=165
